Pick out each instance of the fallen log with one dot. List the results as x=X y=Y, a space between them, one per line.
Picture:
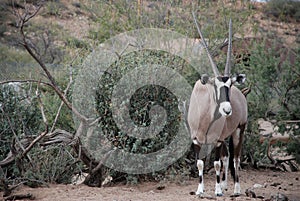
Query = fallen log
x=20 y=197
x=275 y=138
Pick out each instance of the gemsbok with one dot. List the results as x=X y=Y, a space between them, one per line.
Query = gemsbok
x=218 y=110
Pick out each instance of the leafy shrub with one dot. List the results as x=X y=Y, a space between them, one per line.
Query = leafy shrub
x=54 y=8
x=76 y=43
x=284 y=9
x=20 y=119
x=19 y=116
x=294 y=143
x=55 y=164
x=141 y=103
x=275 y=83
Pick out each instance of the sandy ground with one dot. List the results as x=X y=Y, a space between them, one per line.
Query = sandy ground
x=264 y=184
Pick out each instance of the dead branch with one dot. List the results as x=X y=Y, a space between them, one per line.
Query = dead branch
x=23 y=19
x=96 y=171
x=62 y=136
x=20 y=197
x=16 y=139
x=269 y=154
x=274 y=139
x=45 y=139
x=26 y=81
x=62 y=103
x=42 y=108
x=5 y=187
x=277 y=163
x=33 y=143
x=10 y=158
x=290 y=121
x=57 y=136
x=38 y=138
x=83 y=154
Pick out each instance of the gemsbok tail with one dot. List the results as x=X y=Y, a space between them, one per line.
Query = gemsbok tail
x=246 y=91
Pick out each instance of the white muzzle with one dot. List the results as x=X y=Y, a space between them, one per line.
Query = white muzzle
x=225 y=109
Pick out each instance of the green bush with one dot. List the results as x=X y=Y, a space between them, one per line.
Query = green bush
x=21 y=119
x=76 y=43
x=19 y=116
x=274 y=96
x=284 y=9
x=55 y=164
x=55 y=8
x=141 y=102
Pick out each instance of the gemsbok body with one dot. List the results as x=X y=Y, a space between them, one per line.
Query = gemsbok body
x=218 y=110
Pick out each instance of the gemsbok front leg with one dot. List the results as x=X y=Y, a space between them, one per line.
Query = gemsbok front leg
x=221 y=154
x=200 y=166
x=225 y=161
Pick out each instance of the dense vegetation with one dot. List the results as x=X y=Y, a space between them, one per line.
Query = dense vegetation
x=272 y=69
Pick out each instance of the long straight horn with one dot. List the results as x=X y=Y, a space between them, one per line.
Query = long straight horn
x=213 y=65
x=228 y=60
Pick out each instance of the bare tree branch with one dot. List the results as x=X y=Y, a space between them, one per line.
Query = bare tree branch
x=57 y=136
x=97 y=168
x=42 y=108
x=23 y=19
x=62 y=103
x=43 y=133
x=26 y=81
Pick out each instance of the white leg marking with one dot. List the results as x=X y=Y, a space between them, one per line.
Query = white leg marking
x=200 y=189
x=224 y=182
x=236 y=163
x=237 y=188
x=195 y=142
x=218 y=190
x=200 y=165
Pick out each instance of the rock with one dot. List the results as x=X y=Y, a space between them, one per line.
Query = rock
x=250 y=193
x=258 y=186
x=107 y=180
x=275 y=184
x=279 y=197
x=160 y=187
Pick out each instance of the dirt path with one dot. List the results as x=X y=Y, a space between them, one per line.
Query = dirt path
x=268 y=183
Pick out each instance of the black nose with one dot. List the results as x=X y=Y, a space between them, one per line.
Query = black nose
x=226 y=111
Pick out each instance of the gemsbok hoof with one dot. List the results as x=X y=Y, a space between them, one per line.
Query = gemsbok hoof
x=200 y=195
x=236 y=195
x=205 y=196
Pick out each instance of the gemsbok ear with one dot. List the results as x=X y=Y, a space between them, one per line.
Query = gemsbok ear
x=204 y=79
x=238 y=79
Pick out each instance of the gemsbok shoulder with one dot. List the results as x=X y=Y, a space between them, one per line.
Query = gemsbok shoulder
x=218 y=110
